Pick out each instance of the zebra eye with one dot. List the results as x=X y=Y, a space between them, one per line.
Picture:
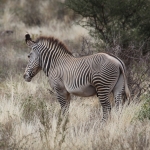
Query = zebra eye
x=28 y=56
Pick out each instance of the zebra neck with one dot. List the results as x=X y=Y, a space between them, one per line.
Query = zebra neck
x=51 y=59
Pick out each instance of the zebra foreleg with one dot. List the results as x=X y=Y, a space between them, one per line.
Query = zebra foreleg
x=64 y=100
x=65 y=107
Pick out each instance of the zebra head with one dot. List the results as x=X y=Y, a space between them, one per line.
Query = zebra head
x=33 y=66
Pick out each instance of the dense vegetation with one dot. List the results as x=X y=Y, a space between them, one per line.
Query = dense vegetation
x=106 y=19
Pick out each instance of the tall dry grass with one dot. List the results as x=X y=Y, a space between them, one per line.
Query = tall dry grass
x=30 y=119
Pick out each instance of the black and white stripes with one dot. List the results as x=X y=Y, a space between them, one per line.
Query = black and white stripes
x=98 y=74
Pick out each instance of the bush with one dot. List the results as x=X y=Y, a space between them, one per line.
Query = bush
x=145 y=110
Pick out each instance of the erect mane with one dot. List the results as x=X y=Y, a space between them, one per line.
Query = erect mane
x=54 y=42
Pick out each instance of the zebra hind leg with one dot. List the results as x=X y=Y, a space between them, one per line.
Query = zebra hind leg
x=103 y=96
x=118 y=90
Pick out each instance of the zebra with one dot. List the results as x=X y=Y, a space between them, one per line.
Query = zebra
x=84 y=76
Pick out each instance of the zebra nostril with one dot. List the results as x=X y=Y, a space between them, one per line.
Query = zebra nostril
x=24 y=76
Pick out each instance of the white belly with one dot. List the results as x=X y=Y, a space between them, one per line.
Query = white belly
x=84 y=91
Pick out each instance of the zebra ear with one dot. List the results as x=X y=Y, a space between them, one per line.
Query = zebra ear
x=28 y=40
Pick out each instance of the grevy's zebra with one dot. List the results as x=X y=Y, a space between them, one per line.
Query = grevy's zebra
x=98 y=74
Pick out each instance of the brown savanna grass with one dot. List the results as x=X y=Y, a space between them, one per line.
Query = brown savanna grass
x=30 y=115
x=30 y=119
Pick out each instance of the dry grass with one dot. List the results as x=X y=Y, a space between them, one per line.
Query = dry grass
x=30 y=119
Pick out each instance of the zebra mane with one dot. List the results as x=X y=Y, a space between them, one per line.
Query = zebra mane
x=53 y=42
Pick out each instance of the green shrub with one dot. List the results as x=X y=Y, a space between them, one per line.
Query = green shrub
x=145 y=110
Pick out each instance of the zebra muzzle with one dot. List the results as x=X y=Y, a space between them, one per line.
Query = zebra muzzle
x=27 y=78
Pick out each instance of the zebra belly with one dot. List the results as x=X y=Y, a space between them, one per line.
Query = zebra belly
x=84 y=91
